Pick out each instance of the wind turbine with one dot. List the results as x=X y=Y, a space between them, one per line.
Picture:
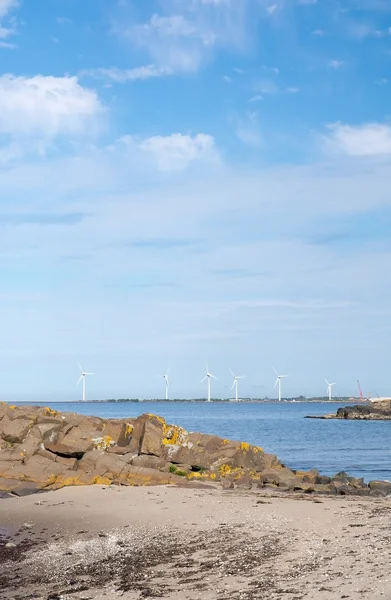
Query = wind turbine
x=329 y=388
x=235 y=383
x=165 y=377
x=278 y=382
x=83 y=379
x=208 y=376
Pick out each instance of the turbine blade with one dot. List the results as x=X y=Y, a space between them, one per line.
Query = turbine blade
x=202 y=380
x=275 y=371
x=210 y=375
x=276 y=382
x=233 y=385
x=327 y=382
x=81 y=377
x=80 y=367
x=232 y=373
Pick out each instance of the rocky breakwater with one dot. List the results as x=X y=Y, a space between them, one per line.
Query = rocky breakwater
x=41 y=449
x=373 y=411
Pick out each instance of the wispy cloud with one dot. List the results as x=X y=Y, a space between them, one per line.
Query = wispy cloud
x=47 y=219
x=10 y=29
x=248 y=129
x=160 y=244
x=6 y=6
x=185 y=36
x=64 y=20
x=124 y=75
x=336 y=64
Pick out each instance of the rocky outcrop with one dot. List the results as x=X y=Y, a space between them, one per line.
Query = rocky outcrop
x=41 y=449
x=374 y=411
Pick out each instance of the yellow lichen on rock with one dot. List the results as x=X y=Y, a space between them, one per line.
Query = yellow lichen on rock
x=128 y=430
x=103 y=443
x=173 y=434
x=257 y=449
x=50 y=412
x=99 y=480
x=225 y=470
x=245 y=447
x=160 y=419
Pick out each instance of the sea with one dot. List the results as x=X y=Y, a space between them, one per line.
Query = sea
x=361 y=448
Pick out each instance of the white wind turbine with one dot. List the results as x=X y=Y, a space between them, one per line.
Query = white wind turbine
x=278 y=382
x=165 y=377
x=208 y=376
x=235 y=383
x=330 y=388
x=83 y=379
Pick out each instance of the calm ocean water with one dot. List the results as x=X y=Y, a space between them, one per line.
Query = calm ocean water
x=361 y=448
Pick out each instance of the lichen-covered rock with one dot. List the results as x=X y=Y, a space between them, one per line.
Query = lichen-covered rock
x=43 y=449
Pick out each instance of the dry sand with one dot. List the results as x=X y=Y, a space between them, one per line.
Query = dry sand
x=180 y=543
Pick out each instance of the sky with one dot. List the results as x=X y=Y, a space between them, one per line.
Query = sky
x=184 y=181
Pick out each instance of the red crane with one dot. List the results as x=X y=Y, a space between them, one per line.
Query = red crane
x=360 y=390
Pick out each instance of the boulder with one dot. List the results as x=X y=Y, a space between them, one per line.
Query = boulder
x=48 y=432
x=152 y=437
x=382 y=488
x=15 y=430
x=150 y=462
x=283 y=477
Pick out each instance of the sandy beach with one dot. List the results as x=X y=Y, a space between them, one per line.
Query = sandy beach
x=181 y=543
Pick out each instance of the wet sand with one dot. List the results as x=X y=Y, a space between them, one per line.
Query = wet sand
x=176 y=543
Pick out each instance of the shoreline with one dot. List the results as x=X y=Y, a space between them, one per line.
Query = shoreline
x=177 y=543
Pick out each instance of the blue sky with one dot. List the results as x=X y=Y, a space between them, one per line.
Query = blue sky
x=192 y=180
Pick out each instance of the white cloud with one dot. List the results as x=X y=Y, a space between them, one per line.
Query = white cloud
x=45 y=106
x=6 y=6
x=177 y=151
x=124 y=75
x=318 y=33
x=370 y=139
x=292 y=90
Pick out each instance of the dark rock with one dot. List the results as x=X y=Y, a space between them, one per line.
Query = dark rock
x=381 y=487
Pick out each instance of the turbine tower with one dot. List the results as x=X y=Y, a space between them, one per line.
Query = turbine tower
x=165 y=377
x=235 y=383
x=208 y=376
x=83 y=379
x=329 y=388
x=278 y=382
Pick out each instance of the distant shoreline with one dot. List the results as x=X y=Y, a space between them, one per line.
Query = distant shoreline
x=195 y=401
